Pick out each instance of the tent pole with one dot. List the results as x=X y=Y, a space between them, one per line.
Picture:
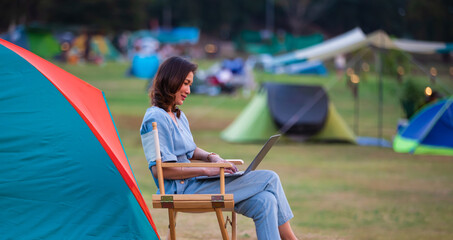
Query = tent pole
x=378 y=60
x=356 y=96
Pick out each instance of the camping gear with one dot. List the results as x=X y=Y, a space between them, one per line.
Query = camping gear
x=102 y=46
x=64 y=171
x=265 y=42
x=145 y=66
x=177 y=35
x=304 y=67
x=303 y=107
x=301 y=112
x=430 y=131
x=43 y=43
x=36 y=39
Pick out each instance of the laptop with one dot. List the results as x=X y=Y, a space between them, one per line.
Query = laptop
x=259 y=157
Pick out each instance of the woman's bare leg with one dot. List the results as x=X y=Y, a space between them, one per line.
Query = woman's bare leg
x=286 y=232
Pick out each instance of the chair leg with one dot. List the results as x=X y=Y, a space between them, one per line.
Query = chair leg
x=233 y=225
x=219 y=214
x=172 y=223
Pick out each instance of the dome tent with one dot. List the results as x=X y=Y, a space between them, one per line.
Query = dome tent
x=64 y=171
x=430 y=131
x=298 y=111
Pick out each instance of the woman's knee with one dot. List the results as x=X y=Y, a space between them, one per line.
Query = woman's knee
x=270 y=175
x=258 y=205
x=266 y=199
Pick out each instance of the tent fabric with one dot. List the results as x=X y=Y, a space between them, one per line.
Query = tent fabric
x=416 y=46
x=104 y=47
x=265 y=42
x=43 y=43
x=430 y=131
x=304 y=107
x=145 y=66
x=256 y=123
x=39 y=41
x=64 y=173
x=335 y=128
x=178 y=35
x=18 y=36
x=299 y=42
x=380 y=39
x=341 y=44
x=353 y=40
x=308 y=67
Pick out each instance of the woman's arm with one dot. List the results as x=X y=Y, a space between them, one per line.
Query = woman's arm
x=189 y=172
x=200 y=154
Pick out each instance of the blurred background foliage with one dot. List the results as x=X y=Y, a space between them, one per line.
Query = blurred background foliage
x=418 y=19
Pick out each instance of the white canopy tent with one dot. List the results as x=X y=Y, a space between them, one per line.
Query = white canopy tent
x=350 y=41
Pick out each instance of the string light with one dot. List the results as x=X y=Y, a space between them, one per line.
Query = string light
x=355 y=79
x=400 y=70
x=210 y=48
x=65 y=47
x=428 y=91
x=433 y=71
x=350 y=71
x=365 y=67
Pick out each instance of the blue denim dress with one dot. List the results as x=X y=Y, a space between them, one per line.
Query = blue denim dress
x=258 y=194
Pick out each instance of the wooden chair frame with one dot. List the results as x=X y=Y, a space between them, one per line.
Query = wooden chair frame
x=194 y=202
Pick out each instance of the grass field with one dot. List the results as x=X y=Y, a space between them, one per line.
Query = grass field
x=336 y=191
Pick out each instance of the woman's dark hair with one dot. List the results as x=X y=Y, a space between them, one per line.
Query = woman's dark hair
x=169 y=78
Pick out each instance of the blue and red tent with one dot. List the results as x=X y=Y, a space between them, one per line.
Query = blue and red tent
x=430 y=131
x=64 y=173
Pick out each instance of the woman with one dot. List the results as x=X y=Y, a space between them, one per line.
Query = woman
x=258 y=194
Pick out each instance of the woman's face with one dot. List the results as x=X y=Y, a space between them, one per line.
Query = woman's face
x=184 y=91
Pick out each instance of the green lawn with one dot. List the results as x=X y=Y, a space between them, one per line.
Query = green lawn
x=337 y=191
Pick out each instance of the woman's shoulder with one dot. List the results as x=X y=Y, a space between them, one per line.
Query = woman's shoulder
x=155 y=114
x=184 y=118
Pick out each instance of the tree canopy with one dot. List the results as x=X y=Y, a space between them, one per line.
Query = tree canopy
x=418 y=19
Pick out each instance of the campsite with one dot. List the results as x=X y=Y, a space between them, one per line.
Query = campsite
x=95 y=94
x=338 y=191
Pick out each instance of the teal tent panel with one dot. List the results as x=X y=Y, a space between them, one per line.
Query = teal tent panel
x=56 y=179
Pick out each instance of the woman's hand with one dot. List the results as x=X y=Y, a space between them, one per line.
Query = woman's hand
x=217 y=159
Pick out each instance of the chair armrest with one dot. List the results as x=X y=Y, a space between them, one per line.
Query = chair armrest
x=235 y=161
x=212 y=165
x=222 y=167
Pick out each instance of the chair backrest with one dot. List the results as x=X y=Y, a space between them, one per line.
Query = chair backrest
x=160 y=176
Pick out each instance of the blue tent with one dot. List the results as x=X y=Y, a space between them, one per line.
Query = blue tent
x=17 y=36
x=145 y=66
x=430 y=131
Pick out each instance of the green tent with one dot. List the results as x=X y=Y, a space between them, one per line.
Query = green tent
x=43 y=43
x=253 y=124
x=257 y=121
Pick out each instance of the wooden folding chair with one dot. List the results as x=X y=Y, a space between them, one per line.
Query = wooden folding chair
x=216 y=202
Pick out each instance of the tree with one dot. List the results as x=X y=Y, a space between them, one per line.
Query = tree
x=295 y=10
